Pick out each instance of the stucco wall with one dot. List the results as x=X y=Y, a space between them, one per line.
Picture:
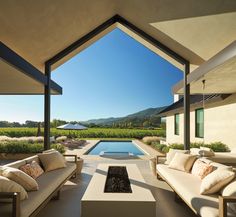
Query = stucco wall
x=220 y=125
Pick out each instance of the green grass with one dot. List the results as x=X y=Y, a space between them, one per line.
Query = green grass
x=90 y=133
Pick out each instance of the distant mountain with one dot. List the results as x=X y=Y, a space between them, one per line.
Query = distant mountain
x=144 y=118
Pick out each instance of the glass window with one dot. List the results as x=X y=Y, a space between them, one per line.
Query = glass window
x=199 y=123
x=176 y=124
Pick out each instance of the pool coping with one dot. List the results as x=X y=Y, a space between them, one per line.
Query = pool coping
x=133 y=141
x=151 y=153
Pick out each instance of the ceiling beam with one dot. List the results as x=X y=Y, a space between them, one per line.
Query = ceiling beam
x=16 y=61
x=113 y=20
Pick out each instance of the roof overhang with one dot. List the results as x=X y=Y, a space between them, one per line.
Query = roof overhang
x=18 y=77
x=219 y=74
x=39 y=30
x=128 y=28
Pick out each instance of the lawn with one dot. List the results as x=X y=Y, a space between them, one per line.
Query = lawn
x=89 y=133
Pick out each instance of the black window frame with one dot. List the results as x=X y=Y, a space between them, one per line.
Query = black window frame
x=197 y=132
x=176 y=129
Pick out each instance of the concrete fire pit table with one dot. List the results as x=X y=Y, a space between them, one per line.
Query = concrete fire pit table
x=139 y=203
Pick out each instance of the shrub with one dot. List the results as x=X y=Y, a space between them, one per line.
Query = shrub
x=159 y=147
x=215 y=146
x=26 y=147
x=177 y=146
x=59 y=147
x=218 y=147
x=150 y=139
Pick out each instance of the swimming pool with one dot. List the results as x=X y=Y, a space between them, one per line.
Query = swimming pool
x=115 y=148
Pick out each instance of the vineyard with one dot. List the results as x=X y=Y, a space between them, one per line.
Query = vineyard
x=89 y=133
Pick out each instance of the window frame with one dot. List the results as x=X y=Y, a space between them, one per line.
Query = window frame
x=176 y=132
x=197 y=131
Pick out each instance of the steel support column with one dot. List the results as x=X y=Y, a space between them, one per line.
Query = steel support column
x=47 y=105
x=186 y=107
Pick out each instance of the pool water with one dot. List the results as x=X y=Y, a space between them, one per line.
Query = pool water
x=115 y=148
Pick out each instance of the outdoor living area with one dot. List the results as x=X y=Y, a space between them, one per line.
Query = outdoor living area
x=77 y=171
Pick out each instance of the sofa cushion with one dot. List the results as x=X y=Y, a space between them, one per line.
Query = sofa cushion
x=201 y=169
x=187 y=185
x=52 y=160
x=182 y=162
x=170 y=155
x=48 y=182
x=216 y=180
x=33 y=169
x=7 y=185
x=230 y=190
x=18 y=176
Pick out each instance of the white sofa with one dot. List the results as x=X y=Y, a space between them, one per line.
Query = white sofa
x=187 y=187
x=49 y=183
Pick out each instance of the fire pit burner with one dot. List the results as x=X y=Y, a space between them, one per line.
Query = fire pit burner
x=117 y=180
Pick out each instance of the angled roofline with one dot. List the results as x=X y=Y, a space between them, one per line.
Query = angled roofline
x=16 y=61
x=113 y=20
x=194 y=100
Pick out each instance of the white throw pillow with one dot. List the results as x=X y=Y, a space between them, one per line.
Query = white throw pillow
x=230 y=190
x=20 y=177
x=201 y=169
x=182 y=162
x=52 y=161
x=205 y=148
x=216 y=180
x=170 y=155
x=7 y=185
x=194 y=151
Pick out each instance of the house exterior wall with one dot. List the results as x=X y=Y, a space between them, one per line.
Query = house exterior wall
x=219 y=125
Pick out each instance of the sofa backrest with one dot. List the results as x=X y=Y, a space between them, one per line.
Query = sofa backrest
x=16 y=164
x=19 y=163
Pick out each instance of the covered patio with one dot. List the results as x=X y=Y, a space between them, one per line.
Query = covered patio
x=37 y=37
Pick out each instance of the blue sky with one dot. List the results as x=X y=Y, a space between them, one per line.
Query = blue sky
x=114 y=77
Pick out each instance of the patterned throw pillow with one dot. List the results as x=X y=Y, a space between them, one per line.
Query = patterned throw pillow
x=33 y=169
x=201 y=169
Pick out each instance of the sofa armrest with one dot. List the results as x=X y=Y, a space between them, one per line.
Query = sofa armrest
x=159 y=156
x=71 y=155
x=15 y=196
x=223 y=200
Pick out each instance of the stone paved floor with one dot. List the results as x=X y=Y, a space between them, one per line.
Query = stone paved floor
x=72 y=192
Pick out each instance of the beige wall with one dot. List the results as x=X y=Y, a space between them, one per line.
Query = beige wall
x=220 y=125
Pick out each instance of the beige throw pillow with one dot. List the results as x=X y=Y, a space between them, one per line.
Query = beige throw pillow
x=216 y=180
x=7 y=185
x=230 y=190
x=18 y=176
x=52 y=161
x=201 y=169
x=32 y=169
x=170 y=155
x=182 y=162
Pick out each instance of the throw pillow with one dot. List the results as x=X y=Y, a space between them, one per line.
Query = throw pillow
x=230 y=190
x=7 y=185
x=52 y=161
x=170 y=155
x=201 y=169
x=182 y=162
x=32 y=169
x=216 y=180
x=18 y=176
x=194 y=151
